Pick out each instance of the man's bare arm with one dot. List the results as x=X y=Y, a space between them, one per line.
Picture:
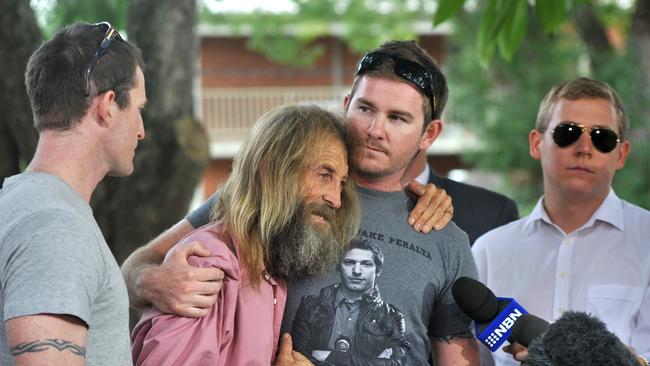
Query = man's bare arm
x=47 y=339
x=457 y=350
x=174 y=286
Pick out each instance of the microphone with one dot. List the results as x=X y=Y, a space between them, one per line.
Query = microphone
x=494 y=316
x=577 y=338
x=527 y=328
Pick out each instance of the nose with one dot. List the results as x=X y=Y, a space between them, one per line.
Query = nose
x=356 y=269
x=141 y=130
x=376 y=128
x=332 y=195
x=584 y=144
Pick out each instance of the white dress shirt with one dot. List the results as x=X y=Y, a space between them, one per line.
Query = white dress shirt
x=602 y=268
x=423 y=178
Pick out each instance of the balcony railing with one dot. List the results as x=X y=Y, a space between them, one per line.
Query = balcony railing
x=229 y=113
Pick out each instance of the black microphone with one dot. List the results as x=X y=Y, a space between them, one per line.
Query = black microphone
x=494 y=316
x=527 y=328
x=577 y=338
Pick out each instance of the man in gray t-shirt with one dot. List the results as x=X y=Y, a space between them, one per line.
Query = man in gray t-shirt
x=62 y=298
x=54 y=260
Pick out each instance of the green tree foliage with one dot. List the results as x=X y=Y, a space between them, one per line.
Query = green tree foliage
x=503 y=23
x=289 y=38
x=58 y=13
x=500 y=102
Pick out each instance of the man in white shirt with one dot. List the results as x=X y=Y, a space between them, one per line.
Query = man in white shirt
x=582 y=248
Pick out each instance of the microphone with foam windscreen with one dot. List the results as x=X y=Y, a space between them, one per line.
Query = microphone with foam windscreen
x=494 y=316
x=577 y=338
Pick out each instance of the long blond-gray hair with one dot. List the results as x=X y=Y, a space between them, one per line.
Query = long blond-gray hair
x=263 y=190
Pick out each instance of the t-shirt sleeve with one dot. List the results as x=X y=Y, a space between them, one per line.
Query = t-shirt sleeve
x=201 y=215
x=448 y=319
x=51 y=264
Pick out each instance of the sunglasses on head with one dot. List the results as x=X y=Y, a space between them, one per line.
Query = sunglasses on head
x=406 y=69
x=567 y=133
x=109 y=36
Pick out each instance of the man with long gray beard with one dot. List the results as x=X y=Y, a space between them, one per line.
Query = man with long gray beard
x=301 y=248
x=284 y=212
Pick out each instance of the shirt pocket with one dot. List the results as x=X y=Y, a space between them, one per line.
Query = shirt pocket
x=616 y=305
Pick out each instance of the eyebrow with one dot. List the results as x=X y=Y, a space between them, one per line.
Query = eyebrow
x=391 y=111
x=332 y=170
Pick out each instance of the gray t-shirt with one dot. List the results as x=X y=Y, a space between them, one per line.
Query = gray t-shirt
x=201 y=215
x=416 y=278
x=54 y=259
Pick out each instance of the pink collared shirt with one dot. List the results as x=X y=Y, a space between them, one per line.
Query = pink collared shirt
x=242 y=328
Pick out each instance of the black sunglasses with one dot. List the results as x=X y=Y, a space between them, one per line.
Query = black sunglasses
x=603 y=138
x=109 y=36
x=406 y=69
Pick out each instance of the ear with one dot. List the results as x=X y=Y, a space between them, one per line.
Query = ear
x=106 y=108
x=535 y=139
x=623 y=151
x=431 y=133
x=346 y=102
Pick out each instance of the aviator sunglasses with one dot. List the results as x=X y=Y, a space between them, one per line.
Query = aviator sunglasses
x=406 y=69
x=603 y=138
x=109 y=36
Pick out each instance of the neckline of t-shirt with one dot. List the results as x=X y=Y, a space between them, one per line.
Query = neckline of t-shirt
x=372 y=193
x=62 y=188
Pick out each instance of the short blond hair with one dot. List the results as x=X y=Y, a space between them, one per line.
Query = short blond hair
x=581 y=88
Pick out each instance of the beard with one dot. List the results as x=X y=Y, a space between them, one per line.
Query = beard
x=302 y=248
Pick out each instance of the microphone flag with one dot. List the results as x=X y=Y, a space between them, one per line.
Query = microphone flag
x=494 y=333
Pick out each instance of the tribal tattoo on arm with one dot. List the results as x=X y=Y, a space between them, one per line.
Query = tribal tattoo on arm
x=43 y=345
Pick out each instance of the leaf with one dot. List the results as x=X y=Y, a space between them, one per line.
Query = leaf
x=514 y=28
x=551 y=14
x=486 y=34
x=446 y=9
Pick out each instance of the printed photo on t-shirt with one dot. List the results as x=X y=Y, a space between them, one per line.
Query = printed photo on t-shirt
x=348 y=320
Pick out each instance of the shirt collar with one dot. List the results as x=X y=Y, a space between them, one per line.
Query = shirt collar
x=610 y=211
x=423 y=178
x=340 y=300
x=369 y=298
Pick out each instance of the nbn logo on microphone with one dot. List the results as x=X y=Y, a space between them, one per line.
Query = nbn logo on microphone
x=498 y=331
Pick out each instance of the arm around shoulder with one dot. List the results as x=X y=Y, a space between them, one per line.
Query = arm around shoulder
x=141 y=270
x=167 y=339
x=174 y=286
